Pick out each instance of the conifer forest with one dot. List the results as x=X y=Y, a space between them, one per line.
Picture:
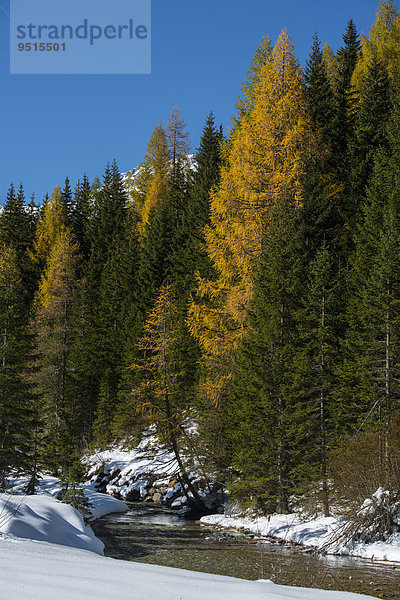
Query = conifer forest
x=240 y=300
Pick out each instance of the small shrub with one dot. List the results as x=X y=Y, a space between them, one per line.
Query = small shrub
x=366 y=462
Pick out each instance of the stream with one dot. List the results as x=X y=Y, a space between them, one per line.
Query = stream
x=154 y=534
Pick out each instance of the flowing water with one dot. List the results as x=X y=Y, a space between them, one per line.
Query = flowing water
x=153 y=534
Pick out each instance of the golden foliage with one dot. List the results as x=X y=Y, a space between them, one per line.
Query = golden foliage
x=152 y=177
x=264 y=164
x=57 y=286
x=154 y=395
x=383 y=41
x=49 y=226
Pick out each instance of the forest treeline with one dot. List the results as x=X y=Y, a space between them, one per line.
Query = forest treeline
x=250 y=294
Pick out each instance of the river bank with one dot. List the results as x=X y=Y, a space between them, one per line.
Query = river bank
x=149 y=533
x=322 y=534
x=148 y=474
x=32 y=566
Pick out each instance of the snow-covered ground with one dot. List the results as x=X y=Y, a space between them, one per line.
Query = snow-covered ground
x=44 y=518
x=316 y=533
x=42 y=571
x=48 y=553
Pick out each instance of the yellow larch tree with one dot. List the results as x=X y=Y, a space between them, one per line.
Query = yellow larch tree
x=263 y=164
x=152 y=177
x=56 y=327
x=49 y=227
x=383 y=42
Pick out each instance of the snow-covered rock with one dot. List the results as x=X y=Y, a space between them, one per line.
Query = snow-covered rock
x=147 y=472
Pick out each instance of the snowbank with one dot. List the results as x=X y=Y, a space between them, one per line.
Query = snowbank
x=41 y=571
x=54 y=563
x=44 y=518
x=101 y=504
x=315 y=533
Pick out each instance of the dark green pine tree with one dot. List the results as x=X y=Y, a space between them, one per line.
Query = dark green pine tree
x=370 y=131
x=66 y=198
x=368 y=377
x=267 y=423
x=208 y=160
x=80 y=215
x=316 y=358
x=167 y=256
x=348 y=55
x=370 y=391
x=110 y=304
x=345 y=101
x=118 y=324
x=320 y=218
x=320 y=101
x=16 y=399
x=16 y=232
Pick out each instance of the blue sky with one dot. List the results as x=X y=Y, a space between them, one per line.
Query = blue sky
x=57 y=125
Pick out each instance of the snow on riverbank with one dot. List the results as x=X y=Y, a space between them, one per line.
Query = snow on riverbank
x=41 y=571
x=60 y=560
x=101 y=504
x=315 y=533
x=44 y=518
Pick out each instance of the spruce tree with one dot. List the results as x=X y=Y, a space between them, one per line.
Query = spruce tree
x=15 y=394
x=316 y=357
x=319 y=94
x=370 y=347
x=370 y=131
x=266 y=420
x=109 y=298
x=80 y=215
x=16 y=233
x=208 y=160
x=167 y=255
x=66 y=201
x=347 y=57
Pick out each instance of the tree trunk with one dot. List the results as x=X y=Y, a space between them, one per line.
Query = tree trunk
x=325 y=488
